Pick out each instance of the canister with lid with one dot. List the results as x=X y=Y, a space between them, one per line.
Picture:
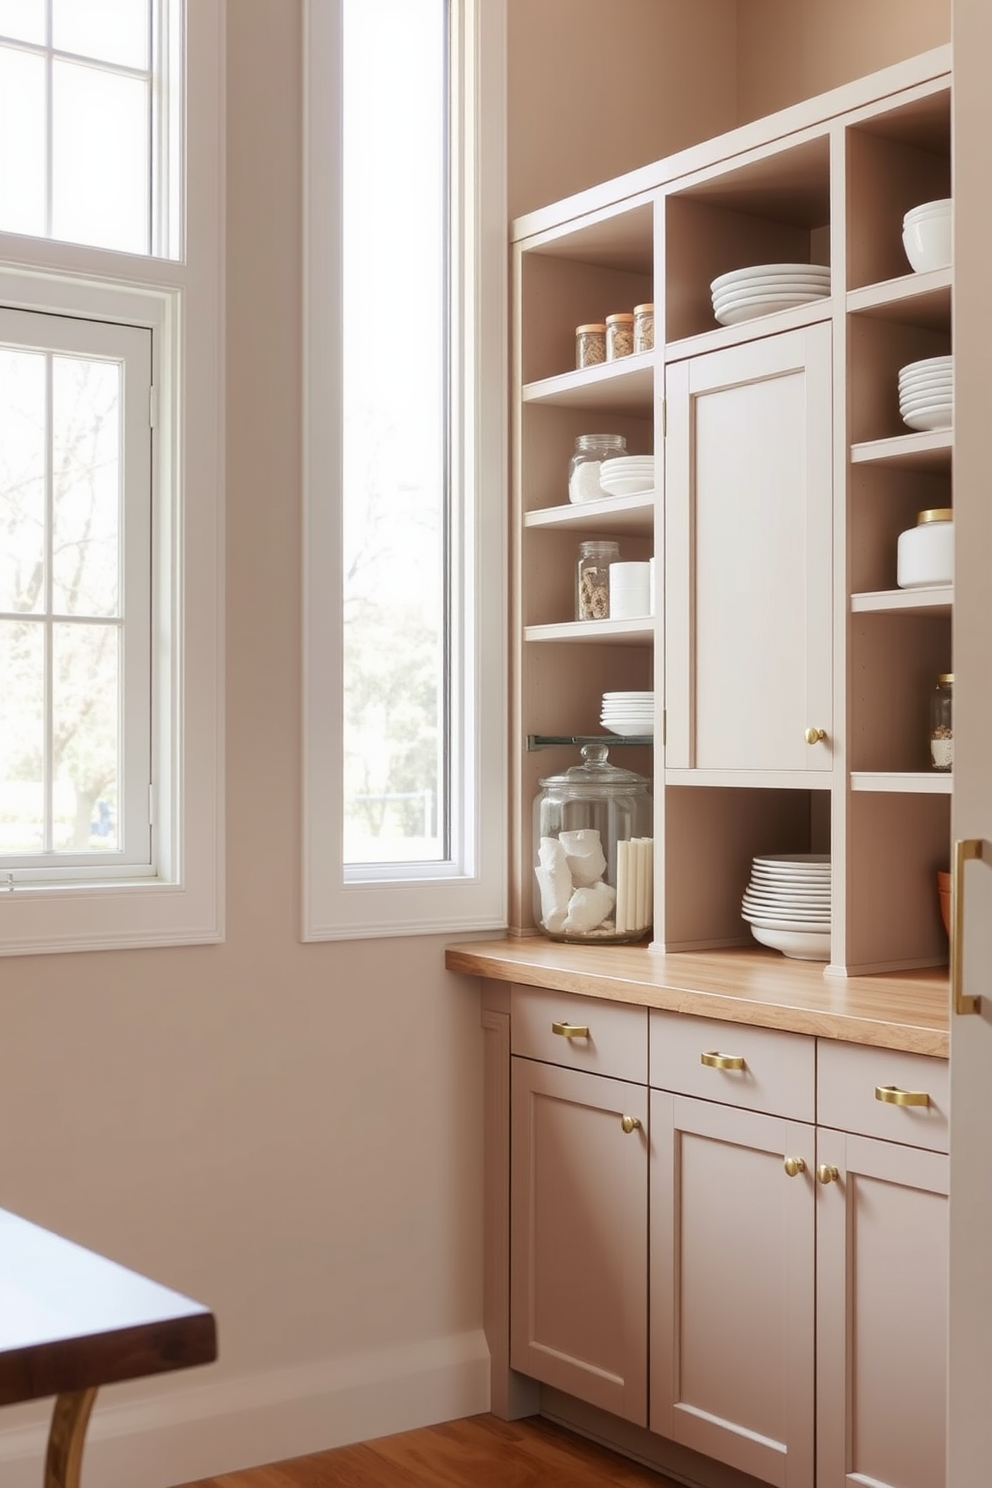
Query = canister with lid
x=619 y=335
x=643 y=328
x=593 y=853
x=587 y=458
x=590 y=344
x=925 y=553
x=592 y=593
x=942 y=723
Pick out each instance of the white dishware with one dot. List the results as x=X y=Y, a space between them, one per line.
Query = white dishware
x=941 y=418
x=630 y=487
x=629 y=590
x=791 y=862
x=927 y=366
x=735 y=315
x=942 y=383
x=927 y=236
x=801 y=945
x=805 y=291
x=630 y=730
x=805 y=272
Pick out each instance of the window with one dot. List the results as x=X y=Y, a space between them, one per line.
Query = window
x=111 y=419
x=405 y=373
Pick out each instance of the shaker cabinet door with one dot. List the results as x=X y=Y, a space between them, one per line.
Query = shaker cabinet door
x=578 y=1239
x=882 y=1257
x=732 y=1286
x=748 y=556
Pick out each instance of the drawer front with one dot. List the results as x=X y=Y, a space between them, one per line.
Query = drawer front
x=848 y=1076
x=761 y=1069
x=587 y=1033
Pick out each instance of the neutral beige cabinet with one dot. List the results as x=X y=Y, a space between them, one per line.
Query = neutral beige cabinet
x=784 y=476
x=749 y=579
x=778 y=1304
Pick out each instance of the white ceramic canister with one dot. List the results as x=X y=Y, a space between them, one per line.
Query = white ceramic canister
x=925 y=553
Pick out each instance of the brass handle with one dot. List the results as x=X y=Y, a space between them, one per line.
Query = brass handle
x=629 y=1124
x=715 y=1060
x=893 y=1096
x=815 y=736
x=968 y=847
x=794 y=1166
x=570 y=1030
x=827 y=1173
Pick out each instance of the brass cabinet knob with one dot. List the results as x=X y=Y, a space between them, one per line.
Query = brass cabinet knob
x=815 y=736
x=714 y=1060
x=570 y=1030
x=629 y=1124
x=893 y=1096
x=827 y=1173
x=794 y=1166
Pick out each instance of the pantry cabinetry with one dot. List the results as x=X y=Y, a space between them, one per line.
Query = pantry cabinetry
x=791 y=673
x=778 y=1306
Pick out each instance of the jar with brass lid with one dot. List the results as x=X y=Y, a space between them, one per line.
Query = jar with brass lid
x=643 y=328
x=590 y=344
x=925 y=553
x=942 y=723
x=619 y=335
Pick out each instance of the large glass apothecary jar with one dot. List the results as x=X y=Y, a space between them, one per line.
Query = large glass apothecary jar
x=594 y=853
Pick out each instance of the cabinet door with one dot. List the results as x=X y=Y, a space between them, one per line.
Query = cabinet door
x=578 y=1235
x=748 y=555
x=881 y=1314
x=732 y=1286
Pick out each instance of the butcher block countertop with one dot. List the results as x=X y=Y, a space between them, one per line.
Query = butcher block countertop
x=905 y=1010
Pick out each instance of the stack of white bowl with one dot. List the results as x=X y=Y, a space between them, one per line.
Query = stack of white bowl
x=627 y=475
x=926 y=235
x=762 y=289
x=926 y=393
x=629 y=714
x=787 y=904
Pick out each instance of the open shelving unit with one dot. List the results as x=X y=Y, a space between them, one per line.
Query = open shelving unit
x=828 y=182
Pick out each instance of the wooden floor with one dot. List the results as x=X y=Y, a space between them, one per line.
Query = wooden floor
x=478 y=1452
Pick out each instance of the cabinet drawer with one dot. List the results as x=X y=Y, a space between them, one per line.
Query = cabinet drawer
x=764 y=1070
x=847 y=1077
x=616 y=1043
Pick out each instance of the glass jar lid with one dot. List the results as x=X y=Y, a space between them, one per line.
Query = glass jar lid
x=643 y=309
x=596 y=774
x=622 y=317
x=585 y=329
x=935 y=514
x=946 y=677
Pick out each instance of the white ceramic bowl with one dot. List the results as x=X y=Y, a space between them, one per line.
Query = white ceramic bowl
x=928 y=243
x=939 y=208
x=630 y=485
x=802 y=945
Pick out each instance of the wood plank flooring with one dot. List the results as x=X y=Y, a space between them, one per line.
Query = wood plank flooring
x=477 y=1452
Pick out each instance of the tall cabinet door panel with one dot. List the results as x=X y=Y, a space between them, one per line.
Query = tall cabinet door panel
x=732 y=1286
x=881 y=1314
x=748 y=555
x=578 y=1303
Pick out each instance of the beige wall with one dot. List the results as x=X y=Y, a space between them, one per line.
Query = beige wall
x=792 y=49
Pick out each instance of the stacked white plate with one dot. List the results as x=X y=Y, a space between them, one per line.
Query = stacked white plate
x=626 y=475
x=744 y=294
x=629 y=714
x=787 y=904
x=926 y=393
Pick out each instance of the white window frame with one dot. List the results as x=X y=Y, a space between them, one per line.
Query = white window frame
x=469 y=892
x=181 y=302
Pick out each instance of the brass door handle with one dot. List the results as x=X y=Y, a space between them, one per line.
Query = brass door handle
x=629 y=1124
x=794 y=1166
x=715 y=1060
x=966 y=848
x=827 y=1173
x=893 y=1096
x=570 y=1030
x=815 y=735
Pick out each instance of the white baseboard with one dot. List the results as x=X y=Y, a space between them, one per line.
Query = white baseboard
x=212 y=1428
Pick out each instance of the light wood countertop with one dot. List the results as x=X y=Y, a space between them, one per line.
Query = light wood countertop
x=903 y=1010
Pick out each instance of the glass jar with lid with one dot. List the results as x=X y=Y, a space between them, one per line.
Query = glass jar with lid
x=942 y=723
x=590 y=344
x=594 y=853
x=587 y=459
x=619 y=335
x=643 y=328
x=592 y=590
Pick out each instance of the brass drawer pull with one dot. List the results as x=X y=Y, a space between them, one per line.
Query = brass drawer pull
x=794 y=1166
x=827 y=1173
x=715 y=1060
x=630 y=1124
x=570 y=1030
x=893 y=1096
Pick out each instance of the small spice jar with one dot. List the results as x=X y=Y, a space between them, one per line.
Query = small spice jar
x=590 y=345
x=941 y=723
x=619 y=335
x=586 y=462
x=592 y=597
x=643 y=328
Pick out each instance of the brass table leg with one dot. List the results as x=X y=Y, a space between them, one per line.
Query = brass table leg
x=70 y=1416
